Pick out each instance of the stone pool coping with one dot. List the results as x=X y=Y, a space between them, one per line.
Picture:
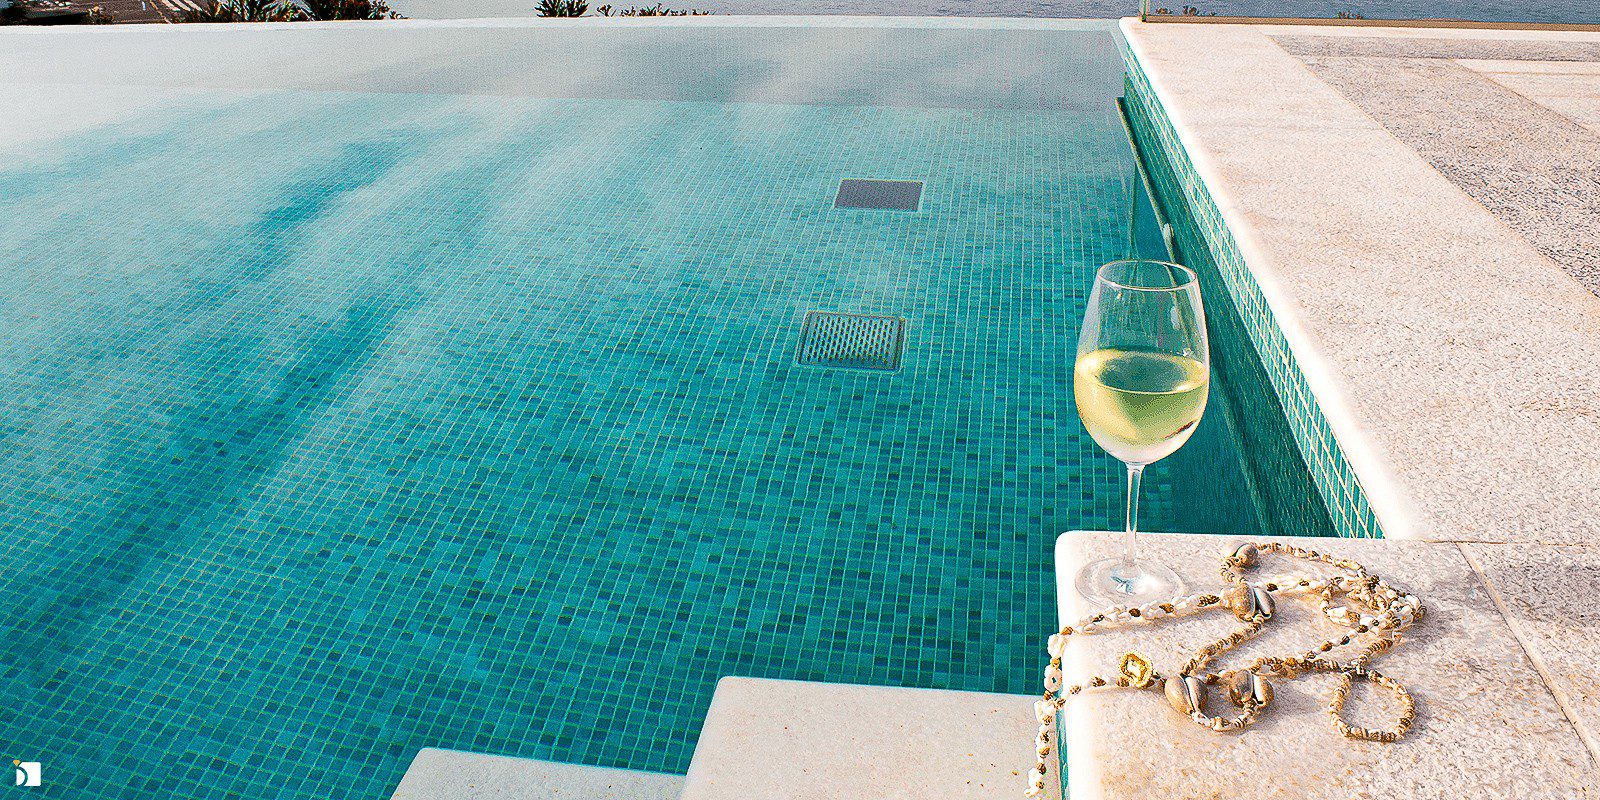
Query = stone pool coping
x=440 y=774
x=1453 y=361
x=1501 y=668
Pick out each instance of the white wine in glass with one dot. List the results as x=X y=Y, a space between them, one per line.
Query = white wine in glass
x=1140 y=383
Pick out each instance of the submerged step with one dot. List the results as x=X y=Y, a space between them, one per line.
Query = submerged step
x=824 y=741
x=437 y=774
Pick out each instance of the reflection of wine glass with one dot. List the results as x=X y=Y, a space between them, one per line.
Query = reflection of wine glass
x=1140 y=383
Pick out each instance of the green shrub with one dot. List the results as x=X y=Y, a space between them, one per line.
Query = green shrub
x=245 y=11
x=657 y=10
x=347 y=9
x=289 y=10
x=562 y=8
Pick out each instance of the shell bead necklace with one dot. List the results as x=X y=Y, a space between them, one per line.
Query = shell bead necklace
x=1373 y=612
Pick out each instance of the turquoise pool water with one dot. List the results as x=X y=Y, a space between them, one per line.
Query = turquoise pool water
x=340 y=422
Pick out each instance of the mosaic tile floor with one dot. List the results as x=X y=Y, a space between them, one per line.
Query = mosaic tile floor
x=337 y=425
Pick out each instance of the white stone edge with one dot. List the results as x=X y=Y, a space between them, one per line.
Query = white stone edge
x=707 y=21
x=1390 y=504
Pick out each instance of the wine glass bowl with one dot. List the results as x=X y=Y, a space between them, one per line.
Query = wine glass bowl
x=1140 y=381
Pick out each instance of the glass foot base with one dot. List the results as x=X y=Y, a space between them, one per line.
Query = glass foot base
x=1111 y=582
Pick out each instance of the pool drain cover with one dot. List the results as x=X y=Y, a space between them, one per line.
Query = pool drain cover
x=889 y=195
x=852 y=341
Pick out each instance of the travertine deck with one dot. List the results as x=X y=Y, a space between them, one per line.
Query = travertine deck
x=1422 y=207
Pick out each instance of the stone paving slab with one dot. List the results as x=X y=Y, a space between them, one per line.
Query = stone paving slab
x=1410 y=47
x=1488 y=726
x=1548 y=594
x=1568 y=88
x=437 y=774
x=792 y=740
x=1535 y=169
x=1459 y=365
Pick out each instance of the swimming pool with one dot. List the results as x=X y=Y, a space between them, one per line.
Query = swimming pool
x=367 y=389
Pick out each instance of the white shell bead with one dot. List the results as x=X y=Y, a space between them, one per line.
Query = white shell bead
x=1044 y=711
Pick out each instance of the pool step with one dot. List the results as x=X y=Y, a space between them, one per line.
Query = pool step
x=791 y=740
x=437 y=774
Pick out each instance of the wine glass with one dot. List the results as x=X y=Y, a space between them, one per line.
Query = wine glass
x=1141 y=380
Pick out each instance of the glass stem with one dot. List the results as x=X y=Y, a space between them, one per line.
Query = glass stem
x=1130 y=540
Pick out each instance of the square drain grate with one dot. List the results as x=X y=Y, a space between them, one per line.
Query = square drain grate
x=852 y=341
x=889 y=195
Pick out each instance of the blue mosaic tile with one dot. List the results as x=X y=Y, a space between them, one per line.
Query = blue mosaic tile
x=1206 y=242
x=405 y=420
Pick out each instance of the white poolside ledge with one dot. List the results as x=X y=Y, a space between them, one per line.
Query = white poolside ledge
x=1458 y=366
x=438 y=774
x=1446 y=319
x=795 y=740
x=1489 y=724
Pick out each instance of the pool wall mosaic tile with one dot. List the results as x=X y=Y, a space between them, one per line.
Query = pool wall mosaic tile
x=1205 y=241
x=443 y=429
x=415 y=407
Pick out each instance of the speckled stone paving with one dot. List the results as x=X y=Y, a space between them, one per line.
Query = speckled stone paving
x=1532 y=167
x=1454 y=360
x=1382 y=47
x=1548 y=595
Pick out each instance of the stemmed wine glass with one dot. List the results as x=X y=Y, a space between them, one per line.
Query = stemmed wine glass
x=1141 y=380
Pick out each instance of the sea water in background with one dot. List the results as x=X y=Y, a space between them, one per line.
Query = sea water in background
x=1567 y=11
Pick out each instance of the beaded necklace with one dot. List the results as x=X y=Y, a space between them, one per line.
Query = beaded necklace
x=1369 y=607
